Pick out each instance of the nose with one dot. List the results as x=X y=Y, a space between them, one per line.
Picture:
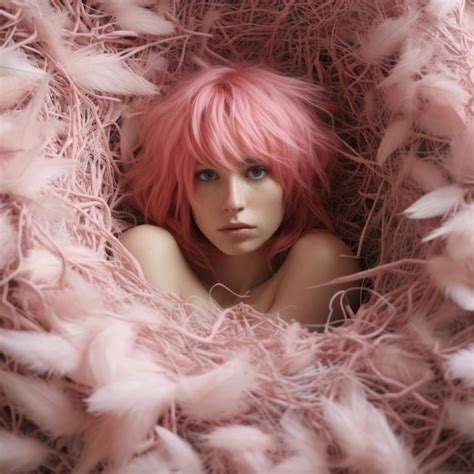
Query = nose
x=235 y=195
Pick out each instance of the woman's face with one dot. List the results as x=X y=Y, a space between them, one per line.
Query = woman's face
x=247 y=196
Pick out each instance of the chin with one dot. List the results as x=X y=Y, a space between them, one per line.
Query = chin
x=243 y=248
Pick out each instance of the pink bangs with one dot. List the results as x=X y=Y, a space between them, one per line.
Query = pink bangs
x=219 y=117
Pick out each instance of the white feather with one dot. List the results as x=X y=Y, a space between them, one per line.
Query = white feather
x=40 y=352
x=135 y=18
x=20 y=453
x=461 y=223
x=106 y=73
x=386 y=37
x=395 y=136
x=181 y=456
x=13 y=62
x=461 y=294
x=461 y=365
x=436 y=203
x=44 y=403
x=454 y=278
x=218 y=392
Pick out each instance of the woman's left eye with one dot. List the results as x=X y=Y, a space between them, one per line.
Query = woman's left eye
x=258 y=172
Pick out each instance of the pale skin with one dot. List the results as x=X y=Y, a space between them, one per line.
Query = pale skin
x=251 y=196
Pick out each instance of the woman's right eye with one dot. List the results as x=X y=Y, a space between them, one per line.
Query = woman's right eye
x=206 y=175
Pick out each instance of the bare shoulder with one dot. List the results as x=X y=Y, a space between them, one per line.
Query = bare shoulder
x=316 y=258
x=323 y=247
x=162 y=261
x=142 y=232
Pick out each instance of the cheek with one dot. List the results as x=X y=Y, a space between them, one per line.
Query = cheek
x=275 y=201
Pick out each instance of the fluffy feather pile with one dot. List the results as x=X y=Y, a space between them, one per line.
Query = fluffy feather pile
x=100 y=373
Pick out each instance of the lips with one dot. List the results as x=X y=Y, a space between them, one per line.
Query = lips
x=236 y=226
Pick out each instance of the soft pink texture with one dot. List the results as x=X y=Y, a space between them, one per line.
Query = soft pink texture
x=131 y=393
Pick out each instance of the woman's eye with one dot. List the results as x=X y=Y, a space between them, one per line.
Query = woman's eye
x=258 y=172
x=206 y=175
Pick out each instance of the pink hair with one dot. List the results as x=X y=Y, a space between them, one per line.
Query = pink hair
x=219 y=117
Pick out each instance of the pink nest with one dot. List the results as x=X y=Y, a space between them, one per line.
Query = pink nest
x=102 y=373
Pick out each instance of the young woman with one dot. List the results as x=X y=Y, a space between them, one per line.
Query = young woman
x=232 y=176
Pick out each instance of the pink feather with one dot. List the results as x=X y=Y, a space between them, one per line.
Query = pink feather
x=218 y=392
x=245 y=445
x=401 y=96
x=182 y=459
x=425 y=332
x=8 y=239
x=13 y=89
x=151 y=462
x=111 y=342
x=308 y=450
x=398 y=364
x=394 y=137
x=439 y=121
x=436 y=203
x=40 y=352
x=106 y=73
x=444 y=90
x=48 y=207
x=462 y=146
x=44 y=403
x=22 y=131
x=27 y=175
x=460 y=415
x=77 y=299
x=427 y=175
x=387 y=37
x=132 y=17
x=442 y=8
x=413 y=58
x=363 y=434
x=461 y=365
x=455 y=279
x=141 y=393
x=20 y=453
x=43 y=265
